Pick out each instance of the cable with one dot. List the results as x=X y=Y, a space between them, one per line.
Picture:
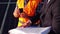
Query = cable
x=7 y=2
x=1 y=30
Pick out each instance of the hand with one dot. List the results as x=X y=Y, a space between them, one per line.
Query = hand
x=28 y=23
x=16 y=12
x=23 y=15
x=38 y=22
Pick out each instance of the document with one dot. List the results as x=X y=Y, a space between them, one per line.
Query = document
x=30 y=30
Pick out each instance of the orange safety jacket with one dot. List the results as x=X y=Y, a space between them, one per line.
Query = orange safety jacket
x=28 y=9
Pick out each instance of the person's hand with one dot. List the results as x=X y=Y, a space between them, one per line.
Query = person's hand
x=28 y=23
x=16 y=12
x=38 y=22
x=23 y=15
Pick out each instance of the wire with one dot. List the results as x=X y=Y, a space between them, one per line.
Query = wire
x=1 y=30
x=7 y=2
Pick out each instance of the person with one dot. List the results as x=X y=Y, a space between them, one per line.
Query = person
x=25 y=10
x=50 y=15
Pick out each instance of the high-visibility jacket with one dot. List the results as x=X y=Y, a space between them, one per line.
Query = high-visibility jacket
x=28 y=9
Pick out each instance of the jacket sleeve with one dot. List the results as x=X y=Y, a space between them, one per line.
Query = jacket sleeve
x=37 y=14
x=31 y=6
x=56 y=17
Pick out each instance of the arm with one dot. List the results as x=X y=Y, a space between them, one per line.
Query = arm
x=36 y=18
x=30 y=8
x=56 y=17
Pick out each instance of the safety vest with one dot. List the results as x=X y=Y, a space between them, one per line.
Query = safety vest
x=28 y=9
